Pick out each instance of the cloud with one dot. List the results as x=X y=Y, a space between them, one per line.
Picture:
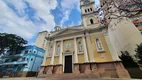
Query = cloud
x=70 y=4
x=11 y=22
x=43 y=10
x=67 y=7
x=18 y=5
x=65 y=17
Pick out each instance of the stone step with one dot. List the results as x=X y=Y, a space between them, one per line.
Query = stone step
x=69 y=76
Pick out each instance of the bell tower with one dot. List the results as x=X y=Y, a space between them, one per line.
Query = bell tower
x=89 y=13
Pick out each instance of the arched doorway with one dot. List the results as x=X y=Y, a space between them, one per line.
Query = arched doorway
x=91 y=21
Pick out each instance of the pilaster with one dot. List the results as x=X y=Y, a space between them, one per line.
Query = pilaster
x=52 y=58
x=85 y=50
x=61 y=53
x=91 y=55
x=75 y=51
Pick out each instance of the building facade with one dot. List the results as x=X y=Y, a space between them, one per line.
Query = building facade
x=122 y=32
x=137 y=20
x=83 y=49
x=25 y=64
x=41 y=42
x=134 y=13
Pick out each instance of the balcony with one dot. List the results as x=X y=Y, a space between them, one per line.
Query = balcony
x=13 y=63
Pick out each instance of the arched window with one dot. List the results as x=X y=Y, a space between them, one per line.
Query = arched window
x=50 y=51
x=91 y=9
x=58 y=50
x=91 y=21
x=88 y=10
x=85 y=10
x=99 y=45
x=80 y=48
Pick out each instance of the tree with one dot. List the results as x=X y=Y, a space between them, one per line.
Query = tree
x=114 y=9
x=11 y=43
x=127 y=60
x=139 y=53
x=131 y=7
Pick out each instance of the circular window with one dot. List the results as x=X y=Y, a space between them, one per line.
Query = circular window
x=31 y=59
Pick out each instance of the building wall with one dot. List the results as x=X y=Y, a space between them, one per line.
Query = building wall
x=29 y=60
x=34 y=59
x=95 y=20
x=71 y=42
x=124 y=36
x=138 y=21
x=37 y=64
x=48 y=60
x=80 y=58
x=87 y=7
x=104 y=56
x=92 y=54
x=56 y=60
x=41 y=41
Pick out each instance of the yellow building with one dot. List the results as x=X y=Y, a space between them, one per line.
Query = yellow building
x=83 y=49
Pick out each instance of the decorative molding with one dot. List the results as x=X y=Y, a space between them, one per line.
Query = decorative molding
x=102 y=50
x=68 y=53
x=81 y=52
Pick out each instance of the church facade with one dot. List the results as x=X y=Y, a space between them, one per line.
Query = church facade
x=83 y=49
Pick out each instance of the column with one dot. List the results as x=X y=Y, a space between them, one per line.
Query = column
x=54 y=49
x=75 y=51
x=91 y=54
x=61 y=51
x=85 y=50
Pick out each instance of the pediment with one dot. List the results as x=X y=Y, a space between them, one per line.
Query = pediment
x=68 y=31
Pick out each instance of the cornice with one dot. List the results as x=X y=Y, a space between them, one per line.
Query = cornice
x=87 y=4
x=85 y=29
x=94 y=13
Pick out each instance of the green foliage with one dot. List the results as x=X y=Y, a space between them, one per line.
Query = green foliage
x=127 y=60
x=139 y=53
x=11 y=43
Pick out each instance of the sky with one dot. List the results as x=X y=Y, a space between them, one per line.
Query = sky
x=27 y=18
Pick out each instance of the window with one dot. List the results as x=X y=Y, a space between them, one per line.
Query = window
x=80 y=47
x=91 y=9
x=50 y=51
x=19 y=68
x=31 y=59
x=85 y=10
x=88 y=10
x=30 y=51
x=23 y=59
x=138 y=24
x=91 y=21
x=26 y=52
x=58 y=50
x=99 y=45
x=34 y=51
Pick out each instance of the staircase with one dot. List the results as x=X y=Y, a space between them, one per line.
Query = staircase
x=68 y=76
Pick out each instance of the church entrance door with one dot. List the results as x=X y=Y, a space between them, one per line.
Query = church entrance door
x=68 y=64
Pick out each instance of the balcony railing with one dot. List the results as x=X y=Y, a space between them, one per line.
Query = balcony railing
x=13 y=63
